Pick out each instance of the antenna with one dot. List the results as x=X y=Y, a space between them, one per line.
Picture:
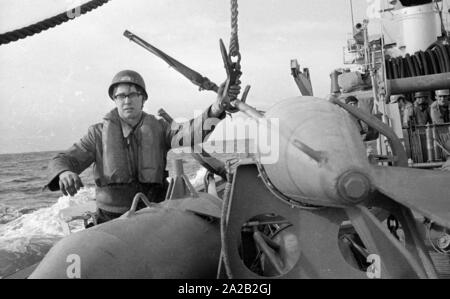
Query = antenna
x=353 y=18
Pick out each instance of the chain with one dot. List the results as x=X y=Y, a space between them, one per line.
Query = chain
x=234 y=42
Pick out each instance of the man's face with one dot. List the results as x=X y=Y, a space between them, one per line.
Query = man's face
x=129 y=101
x=421 y=101
x=442 y=100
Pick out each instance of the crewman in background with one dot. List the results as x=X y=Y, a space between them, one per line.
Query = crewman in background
x=420 y=114
x=439 y=110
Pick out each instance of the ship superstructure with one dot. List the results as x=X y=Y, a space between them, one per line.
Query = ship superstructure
x=402 y=47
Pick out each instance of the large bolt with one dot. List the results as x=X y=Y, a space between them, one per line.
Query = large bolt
x=353 y=186
x=444 y=242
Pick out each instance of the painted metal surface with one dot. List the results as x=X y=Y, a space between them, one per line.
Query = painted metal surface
x=157 y=242
x=325 y=129
x=316 y=231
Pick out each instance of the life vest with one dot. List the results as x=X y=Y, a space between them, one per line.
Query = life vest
x=116 y=183
x=149 y=158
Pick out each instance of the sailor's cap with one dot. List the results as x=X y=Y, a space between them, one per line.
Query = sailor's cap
x=421 y=94
x=443 y=92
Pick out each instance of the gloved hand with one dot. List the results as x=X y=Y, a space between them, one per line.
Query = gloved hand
x=225 y=96
x=69 y=183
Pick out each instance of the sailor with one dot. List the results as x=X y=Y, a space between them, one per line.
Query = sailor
x=402 y=106
x=420 y=115
x=128 y=148
x=367 y=132
x=439 y=110
x=351 y=100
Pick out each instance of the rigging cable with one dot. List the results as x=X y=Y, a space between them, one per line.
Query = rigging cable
x=36 y=28
x=227 y=197
x=234 y=41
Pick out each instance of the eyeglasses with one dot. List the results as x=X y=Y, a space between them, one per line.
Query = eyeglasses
x=133 y=96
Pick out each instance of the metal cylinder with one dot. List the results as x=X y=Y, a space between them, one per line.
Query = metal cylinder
x=419 y=26
x=322 y=159
x=430 y=145
x=162 y=113
x=437 y=150
x=420 y=83
x=334 y=82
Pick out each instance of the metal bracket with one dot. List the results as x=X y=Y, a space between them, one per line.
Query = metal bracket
x=302 y=80
x=136 y=199
x=180 y=186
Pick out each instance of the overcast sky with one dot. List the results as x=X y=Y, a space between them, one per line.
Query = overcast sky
x=53 y=85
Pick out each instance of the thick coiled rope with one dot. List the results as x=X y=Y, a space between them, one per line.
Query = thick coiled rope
x=435 y=60
x=24 y=32
x=234 y=41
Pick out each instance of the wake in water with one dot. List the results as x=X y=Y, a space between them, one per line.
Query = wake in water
x=25 y=239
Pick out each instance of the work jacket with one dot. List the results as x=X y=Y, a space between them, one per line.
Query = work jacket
x=128 y=160
x=414 y=115
x=421 y=117
x=439 y=115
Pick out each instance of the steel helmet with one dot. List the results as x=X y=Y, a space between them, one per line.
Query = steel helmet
x=127 y=76
x=443 y=92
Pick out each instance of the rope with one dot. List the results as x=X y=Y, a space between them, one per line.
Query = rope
x=226 y=203
x=24 y=32
x=234 y=41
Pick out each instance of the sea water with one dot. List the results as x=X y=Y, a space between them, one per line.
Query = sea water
x=30 y=217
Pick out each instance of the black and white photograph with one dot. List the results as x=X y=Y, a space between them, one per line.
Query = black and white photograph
x=223 y=145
